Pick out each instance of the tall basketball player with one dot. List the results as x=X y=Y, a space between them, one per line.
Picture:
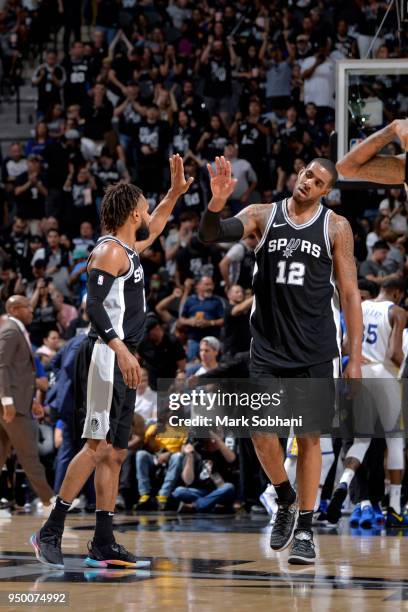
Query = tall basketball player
x=116 y=307
x=384 y=322
x=304 y=253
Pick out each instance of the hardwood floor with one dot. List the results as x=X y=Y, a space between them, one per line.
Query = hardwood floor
x=209 y=563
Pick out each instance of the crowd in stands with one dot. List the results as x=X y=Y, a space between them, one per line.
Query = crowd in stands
x=252 y=80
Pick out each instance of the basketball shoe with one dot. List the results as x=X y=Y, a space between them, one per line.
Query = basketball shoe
x=336 y=504
x=47 y=548
x=355 y=516
x=284 y=526
x=367 y=518
x=109 y=555
x=379 y=517
x=302 y=551
x=394 y=519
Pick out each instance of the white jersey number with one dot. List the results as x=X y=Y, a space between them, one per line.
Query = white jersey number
x=295 y=276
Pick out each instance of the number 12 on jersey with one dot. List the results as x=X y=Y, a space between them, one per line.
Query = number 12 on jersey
x=292 y=274
x=370 y=336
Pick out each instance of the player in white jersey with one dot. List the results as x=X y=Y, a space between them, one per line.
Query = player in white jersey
x=384 y=323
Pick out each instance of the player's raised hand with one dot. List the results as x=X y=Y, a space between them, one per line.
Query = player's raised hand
x=179 y=184
x=221 y=181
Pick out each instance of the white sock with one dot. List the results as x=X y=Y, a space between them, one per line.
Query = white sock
x=364 y=503
x=395 y=498
x=386 y=486
x=347 y=476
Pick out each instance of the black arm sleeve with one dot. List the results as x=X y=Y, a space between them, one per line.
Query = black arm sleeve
x=212 y=229
x=99 y=285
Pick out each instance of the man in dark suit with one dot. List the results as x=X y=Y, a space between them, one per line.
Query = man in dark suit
x=17 y=386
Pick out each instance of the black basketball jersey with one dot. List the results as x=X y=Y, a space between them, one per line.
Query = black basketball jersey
x=125 y=302
x=295 y=320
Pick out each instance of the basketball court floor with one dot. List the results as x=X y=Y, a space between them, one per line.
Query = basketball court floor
x=208 y=563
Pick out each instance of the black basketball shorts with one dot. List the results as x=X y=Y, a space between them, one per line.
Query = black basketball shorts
x=110 y=404
x=310 y=395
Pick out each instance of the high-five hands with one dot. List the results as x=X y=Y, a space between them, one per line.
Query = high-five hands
x=222 y=183
x=179 y=184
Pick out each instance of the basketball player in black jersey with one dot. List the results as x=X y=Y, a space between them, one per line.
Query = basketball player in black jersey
x=116 y=307
x=304 y=255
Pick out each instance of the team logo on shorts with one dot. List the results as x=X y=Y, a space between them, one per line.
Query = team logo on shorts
x=95 y=424
x=100 y=279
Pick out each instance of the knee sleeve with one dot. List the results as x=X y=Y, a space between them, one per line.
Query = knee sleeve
x=358 y=448
x=395 y=459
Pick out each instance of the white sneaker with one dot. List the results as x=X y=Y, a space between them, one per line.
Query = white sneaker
x=268 y=500
x=42 y=509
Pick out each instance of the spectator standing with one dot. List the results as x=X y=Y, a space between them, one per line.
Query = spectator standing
x=318 y=74
x=108 y=171
x=78 y=76
x=97 y=114
x=78 y=276
x=203 y=315
x=31 y=191
x=152 y=145
x=81 y=189
x=44 y=317
x=246 y=179
x=129 y=111
x=278 y=76
x=49 y=78
x=72 y=18
x=237 y=265
x=216 y=63
x=56 y=259
x=252 y=134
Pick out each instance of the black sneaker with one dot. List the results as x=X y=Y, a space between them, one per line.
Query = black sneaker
x=109 y=555
x=302 y=551
x=47 y=548
x=336 y=504
x=284 y=526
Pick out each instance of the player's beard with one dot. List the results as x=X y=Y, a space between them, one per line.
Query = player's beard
x=143 y=232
